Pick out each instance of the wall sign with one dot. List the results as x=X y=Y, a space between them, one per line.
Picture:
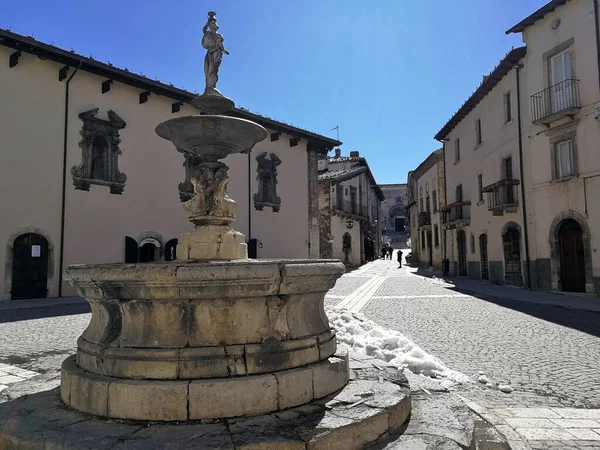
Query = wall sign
x=36 y=251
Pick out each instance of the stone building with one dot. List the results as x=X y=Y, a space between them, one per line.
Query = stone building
x=561 y=133
x=91 y=182
x=394 y=216
x=426 y=192
x=483 y=216
x=349 y=206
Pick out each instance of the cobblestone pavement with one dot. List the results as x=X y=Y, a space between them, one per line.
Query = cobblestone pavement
x=549 y=355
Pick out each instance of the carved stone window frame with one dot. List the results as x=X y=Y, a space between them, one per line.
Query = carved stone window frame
x=267 y=168
x=94 y=127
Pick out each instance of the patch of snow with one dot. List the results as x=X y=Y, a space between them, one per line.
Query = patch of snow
x=505 y=388
x=483 y=379
x=364 y=336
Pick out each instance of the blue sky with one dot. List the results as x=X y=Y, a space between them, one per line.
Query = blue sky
x=389 y=73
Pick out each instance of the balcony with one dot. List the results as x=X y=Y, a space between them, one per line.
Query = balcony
x=424 y=219
x=457 y=213
x=502 y=196
x=349 y=207
x=555 y=102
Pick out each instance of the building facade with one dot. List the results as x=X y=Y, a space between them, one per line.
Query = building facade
x=426 y=194
x=482 y=216
x=91 y=182
x=349 y=208
x=394 y=215
x=562 y=129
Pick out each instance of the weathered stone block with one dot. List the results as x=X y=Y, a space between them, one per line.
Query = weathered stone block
x=233 y=397
x=281 y=355
x=154 y=323
x=228 y=321
x=89 y=393
x=327 y=344
x=329 y=376
x=295 y=387
x=203 y=362
x=148 y=400
x=306 y=315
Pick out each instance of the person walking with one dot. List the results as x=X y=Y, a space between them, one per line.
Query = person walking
x=390 y=252
x=399 y=258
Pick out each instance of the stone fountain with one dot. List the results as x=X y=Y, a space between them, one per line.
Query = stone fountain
x=214 y=335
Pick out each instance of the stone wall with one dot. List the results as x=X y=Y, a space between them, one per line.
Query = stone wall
x=325 y=249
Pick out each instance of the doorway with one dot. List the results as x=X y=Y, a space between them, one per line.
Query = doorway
x=29 y=267
x=485 y=274
x=511 y=240
x=572 y=260
x=461 y=242
x=171 y=250
x=430 y=247
x=147 y=252
x=347 y=246
x=561 y=82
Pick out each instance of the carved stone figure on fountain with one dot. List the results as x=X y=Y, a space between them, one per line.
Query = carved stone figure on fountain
x=213 y=43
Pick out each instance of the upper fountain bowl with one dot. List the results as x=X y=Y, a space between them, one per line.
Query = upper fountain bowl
x=212 y=137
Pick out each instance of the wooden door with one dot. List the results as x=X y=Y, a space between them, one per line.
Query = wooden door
x=572 y=261
x=512 y=257
x=29 y=267
x=485 y=275
x=461 y=239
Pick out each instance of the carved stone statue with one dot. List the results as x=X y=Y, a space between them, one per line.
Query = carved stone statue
x=213 y=43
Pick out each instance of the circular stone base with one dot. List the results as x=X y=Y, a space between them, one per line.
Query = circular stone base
x=373 y=407
x=209 y=398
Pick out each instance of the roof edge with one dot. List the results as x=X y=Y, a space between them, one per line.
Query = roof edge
x=537 y=15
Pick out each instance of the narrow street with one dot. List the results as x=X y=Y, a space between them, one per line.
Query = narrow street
x=549 y=355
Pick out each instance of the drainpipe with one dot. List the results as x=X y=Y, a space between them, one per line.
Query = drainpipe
x=250 y=196
x=64 y=184
x=445 y=264
x=518 y=68
x=597 y=26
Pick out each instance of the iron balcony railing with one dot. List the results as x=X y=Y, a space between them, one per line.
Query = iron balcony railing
x=501 y=195
x=558 y=100
x=457 y=212
x=424 y=219
x=351 y=208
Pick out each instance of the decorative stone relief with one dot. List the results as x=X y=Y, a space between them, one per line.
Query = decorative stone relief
x=100 y=152
x=267 y=182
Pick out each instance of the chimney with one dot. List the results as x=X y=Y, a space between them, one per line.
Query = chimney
x=338 y=152
x=354 y=154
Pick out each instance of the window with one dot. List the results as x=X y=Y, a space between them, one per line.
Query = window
x=421 y=205
x=267 y=183
x=459 y=193
x=435 y=201
x=99 y=153
x=456 y=149
x=507 y=172
x=480 y=186
x=427 y=204
x=507 y=108
x=472 y=244
x=564 y=159
x=422 y=240
x=478 y=131
x=436 y=236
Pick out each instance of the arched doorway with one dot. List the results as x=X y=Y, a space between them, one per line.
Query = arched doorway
x=347 y=246
x=461 y=242
x=511 y=240
x=571 y=254
x=150 y=250
x=171 y=250
x=485 y=274
x=29 y=267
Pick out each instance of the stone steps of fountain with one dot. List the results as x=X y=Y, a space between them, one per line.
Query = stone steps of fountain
x=372 y=408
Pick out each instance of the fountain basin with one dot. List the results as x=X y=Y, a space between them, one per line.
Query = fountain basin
x=212 y=137
x=239 y=325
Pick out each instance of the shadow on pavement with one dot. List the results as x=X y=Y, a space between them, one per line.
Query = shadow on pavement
x=41 y=312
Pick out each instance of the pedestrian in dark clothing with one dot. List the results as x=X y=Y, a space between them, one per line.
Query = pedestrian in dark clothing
x=383 y=252
x=399 y=258
x=390 y=252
